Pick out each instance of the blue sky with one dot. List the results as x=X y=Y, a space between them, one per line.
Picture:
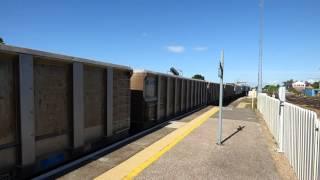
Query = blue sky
x=189 y=34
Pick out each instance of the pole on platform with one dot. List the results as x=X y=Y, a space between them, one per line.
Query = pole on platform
x=252 y=102
x=219 y=132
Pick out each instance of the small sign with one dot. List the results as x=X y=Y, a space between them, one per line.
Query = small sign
x=220 y=70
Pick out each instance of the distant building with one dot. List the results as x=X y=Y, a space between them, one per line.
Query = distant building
x=312 y=92
x=307 y=84
x=299 y=86
x=288 y=84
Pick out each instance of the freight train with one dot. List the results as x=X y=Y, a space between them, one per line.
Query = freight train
x=56 y=108
x=157 y=97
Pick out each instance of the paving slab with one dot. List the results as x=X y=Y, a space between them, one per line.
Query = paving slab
x=244 y=155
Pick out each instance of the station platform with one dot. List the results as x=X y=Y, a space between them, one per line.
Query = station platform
x=186 y=149
x=243 y=155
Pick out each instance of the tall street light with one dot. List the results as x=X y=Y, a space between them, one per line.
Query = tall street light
x=261 y=46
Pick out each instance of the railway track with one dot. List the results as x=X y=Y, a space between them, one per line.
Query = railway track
x=312 y=103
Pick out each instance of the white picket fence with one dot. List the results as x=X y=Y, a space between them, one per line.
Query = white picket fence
x=299 y=138
x=269 y=107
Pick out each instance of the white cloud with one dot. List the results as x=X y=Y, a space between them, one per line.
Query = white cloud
x=200 y=48
x=175 y=49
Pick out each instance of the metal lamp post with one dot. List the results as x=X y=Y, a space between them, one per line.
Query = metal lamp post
x=219 y=132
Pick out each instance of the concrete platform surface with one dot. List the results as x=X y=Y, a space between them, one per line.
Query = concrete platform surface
x=244 y=155
x=99 y=165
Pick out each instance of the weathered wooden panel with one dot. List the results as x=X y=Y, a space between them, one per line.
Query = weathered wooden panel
x=178 y=96
x=199 y=93
x=8 y=109
x=121 y=100
x=171 y=97
x=191 y=94
x=182 y=100
x=53 y=106
x=163 y=97
x=207 y=93
x=7 y=158
x=150 y=87
x=184 y=95
x=194 y=95
x=228 y=91
x=52 y=86
x=150 y=97
x=188 y=103
x=8 y=94
x=53 y=144
x=211 y=93
x=158 y=97
x=48 y=80
x=95 y=96
x=109 y=103
x=95 y=99
x=151 y=111
x=202 y=93
x=216 y=92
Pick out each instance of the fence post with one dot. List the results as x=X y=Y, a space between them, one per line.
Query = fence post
x=316 y=163
x=282 y=98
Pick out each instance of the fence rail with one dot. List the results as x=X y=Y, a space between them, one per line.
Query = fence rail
x=299 y=135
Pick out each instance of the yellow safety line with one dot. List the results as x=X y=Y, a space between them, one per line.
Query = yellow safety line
x=137 y=163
